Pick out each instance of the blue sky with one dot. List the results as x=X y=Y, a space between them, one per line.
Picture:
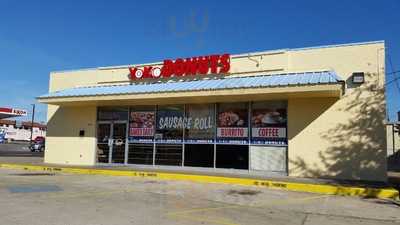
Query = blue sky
x=37 y=37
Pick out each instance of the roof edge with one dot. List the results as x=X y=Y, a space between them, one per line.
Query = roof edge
x=230 y=76
x=331 y=73
x=234 y=55
x=340 y=45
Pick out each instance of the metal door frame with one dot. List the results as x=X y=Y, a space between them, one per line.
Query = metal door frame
x=111 y=139
x=112 y=142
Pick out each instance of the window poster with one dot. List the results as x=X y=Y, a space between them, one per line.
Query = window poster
x=199 y=123
x=269 y=123
x=141 y=124
x=170 y=124
x=232 y=123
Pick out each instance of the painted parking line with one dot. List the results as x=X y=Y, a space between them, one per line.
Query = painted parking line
x=92 y=193
x=202 y=219
x=34 y=188
x=192 y=214
x=275 y=202
x=387 y=193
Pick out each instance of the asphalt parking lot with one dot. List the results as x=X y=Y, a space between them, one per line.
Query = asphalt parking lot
x=70 y=199
x=44 y=198
x=19 y=153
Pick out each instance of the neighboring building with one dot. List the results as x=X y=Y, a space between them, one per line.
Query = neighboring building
x=309 y=112
x=393 y=146
x=393 y=138
x=21 y=131
x=6 y=112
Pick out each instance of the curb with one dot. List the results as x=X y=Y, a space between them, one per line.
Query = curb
x=384 y=193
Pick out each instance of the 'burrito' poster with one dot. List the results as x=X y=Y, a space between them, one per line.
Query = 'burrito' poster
x=232 y=123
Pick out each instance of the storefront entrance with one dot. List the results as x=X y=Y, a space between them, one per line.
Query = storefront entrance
x=111 y=139
x=247 y=136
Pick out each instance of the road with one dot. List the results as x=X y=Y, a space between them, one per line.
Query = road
x=19 y=153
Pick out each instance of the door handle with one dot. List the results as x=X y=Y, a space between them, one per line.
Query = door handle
x=110 y=142
x=119 y=142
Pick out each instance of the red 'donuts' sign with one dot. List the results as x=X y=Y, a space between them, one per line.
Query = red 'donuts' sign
x=202 y=65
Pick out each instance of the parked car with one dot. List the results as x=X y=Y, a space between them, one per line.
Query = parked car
x=38 y=144
x=2 y=136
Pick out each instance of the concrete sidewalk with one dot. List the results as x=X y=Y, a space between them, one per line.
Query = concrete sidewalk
x=321 y=186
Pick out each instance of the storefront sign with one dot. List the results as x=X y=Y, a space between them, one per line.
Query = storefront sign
x=202 y=65
x=12 y=111
x=19 y=112
x=269 y=132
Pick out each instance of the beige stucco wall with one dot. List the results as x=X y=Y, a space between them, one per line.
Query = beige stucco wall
x=328 y=136
x=63 y=144
x=342 y=138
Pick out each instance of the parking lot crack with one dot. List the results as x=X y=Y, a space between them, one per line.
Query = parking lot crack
x=304 y=219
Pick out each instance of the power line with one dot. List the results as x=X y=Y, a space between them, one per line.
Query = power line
x=394 y=73
x=389 y=82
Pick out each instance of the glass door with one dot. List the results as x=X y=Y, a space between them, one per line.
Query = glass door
x=111 y=142
x=119 y=131
x=103 y=142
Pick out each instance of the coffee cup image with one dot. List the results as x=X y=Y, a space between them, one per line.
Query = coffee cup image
x=271 y=117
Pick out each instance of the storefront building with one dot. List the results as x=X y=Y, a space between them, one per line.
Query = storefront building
x=311 y=112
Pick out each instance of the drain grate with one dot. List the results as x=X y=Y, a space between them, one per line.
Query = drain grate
x=243 y=192
x=33 y=174
x=34 y=188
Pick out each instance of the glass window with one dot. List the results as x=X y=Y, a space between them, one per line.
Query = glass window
x=232 y=123
x=170 y=123
x=103 y=136
x=141 y=123
x=269 y=122
x=169 y=154
x=232 y=156
x=112 y=113
x=141 y=153
x=199 y=155
x=200 y=123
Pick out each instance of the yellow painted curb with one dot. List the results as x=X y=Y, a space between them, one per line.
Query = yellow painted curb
x=388 y=193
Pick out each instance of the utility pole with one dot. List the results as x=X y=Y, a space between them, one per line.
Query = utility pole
x=33 y=119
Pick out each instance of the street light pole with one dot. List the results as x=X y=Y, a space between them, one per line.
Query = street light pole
x=33 y=119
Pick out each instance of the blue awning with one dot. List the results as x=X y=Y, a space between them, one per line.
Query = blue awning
x=228 y=82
